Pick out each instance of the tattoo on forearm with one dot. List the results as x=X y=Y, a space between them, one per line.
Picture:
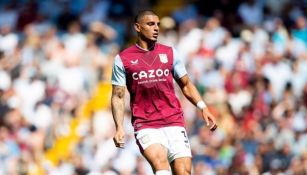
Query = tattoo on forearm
x=118 y=91
x=118 y=105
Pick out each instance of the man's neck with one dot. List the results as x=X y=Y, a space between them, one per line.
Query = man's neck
x=145 y=45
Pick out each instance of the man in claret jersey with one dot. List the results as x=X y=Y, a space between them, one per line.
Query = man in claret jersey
x=147 y=69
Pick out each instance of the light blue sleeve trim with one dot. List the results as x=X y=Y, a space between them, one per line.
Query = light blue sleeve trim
x=178 y=66
x=118 y=72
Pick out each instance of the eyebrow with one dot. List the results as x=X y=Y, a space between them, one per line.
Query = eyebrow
x=152 y=22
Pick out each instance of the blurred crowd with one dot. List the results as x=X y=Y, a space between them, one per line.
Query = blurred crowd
x=248 y=58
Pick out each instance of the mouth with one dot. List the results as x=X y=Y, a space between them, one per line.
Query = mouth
x=155 y=35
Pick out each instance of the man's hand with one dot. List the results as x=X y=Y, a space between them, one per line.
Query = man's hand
x=119 y=138
x=190 y=91
x=209 y=118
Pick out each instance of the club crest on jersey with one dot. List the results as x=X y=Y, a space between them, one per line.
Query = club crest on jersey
x=133 y=62
x=163 y=58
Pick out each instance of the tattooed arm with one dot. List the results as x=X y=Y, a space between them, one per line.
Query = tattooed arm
x=118 y=107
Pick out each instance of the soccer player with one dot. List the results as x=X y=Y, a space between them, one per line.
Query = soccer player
x=147 y=69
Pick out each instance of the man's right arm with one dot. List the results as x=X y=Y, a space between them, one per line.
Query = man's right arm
x=118 y=107
x=118 y=100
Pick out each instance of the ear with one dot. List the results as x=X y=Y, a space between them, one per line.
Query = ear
x=137 y=27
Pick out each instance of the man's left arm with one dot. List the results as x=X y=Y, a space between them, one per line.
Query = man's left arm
x=189 y=90
x=191 y=93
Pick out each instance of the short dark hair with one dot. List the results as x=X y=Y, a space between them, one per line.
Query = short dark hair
x=142 y=13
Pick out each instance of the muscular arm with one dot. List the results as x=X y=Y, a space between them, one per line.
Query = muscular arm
x=118 y=105
x=118 y=101
x=192 y=94
x=188 y=89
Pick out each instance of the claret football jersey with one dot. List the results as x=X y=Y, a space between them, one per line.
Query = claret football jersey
x=148 y=76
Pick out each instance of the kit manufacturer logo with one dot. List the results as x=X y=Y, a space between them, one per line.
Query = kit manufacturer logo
x=134 y=61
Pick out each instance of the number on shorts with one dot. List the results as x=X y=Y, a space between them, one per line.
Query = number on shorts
x=185 y=136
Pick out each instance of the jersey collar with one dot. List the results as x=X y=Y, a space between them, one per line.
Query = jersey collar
x=138 y=46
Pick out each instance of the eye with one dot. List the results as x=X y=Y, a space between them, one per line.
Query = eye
x=151 y=23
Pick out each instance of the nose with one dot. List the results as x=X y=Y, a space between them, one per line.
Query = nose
x=156 y=27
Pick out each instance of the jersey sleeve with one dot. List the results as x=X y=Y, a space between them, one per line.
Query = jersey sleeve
x=118 y=72
x=178 y=66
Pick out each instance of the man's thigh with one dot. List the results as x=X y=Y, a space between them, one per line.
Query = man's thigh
x=178 y=143
x=180 y=154
x=153 y=145
x=170 y=143
x=181 y=166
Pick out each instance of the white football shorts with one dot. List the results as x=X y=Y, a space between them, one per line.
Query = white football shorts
x=174 y=138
